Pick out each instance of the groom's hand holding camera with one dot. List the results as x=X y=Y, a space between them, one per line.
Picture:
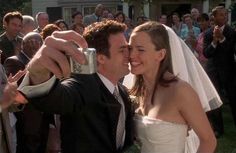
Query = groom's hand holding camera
x=52 y=56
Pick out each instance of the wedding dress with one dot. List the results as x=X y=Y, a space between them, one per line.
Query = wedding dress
x=158 y=136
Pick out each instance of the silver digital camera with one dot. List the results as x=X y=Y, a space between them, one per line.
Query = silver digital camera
x=89 y=67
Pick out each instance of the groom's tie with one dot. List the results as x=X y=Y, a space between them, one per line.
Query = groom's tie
x=121 y=122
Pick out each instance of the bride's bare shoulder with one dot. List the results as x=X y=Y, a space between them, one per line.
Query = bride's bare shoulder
x=184 y=92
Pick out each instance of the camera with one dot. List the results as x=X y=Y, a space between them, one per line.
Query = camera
x=89 y=67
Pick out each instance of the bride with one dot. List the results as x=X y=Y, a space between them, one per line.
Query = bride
x=170 y=91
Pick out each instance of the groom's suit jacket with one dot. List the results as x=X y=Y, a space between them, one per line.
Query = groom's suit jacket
x=89 y=114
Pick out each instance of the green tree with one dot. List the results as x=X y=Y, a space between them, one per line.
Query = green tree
x=23 y=6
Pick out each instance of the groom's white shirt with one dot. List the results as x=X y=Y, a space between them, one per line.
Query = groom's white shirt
x=36 y=90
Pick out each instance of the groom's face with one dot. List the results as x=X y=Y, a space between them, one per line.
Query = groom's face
x=116 y=65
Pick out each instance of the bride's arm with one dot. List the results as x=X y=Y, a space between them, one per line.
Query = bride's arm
x=192 y=111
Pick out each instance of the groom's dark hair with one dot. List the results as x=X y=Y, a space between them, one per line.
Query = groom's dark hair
x=97 y=35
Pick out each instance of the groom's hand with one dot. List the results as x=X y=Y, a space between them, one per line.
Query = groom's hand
x=51 y=58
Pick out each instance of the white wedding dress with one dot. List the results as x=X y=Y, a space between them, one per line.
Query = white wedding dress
x=158 y=136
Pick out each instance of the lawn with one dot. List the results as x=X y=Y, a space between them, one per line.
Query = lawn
x=227 y=143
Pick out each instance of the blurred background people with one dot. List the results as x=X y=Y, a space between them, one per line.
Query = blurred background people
x=77 y=17
x=95 y=17
x=8 y=94
x=195 y=14
x=120 y=17
x=10 y=41
x=48 y=30
x=129 y=28
x=30 y=127
x=163 y=19
x=177 y=25
x=189 y=33
x=110 y=16
x=107 y=15
x=204 y=23
x=28 y=25
x=78 y=27
x=141 y=20
x=219 y=49
x=42 y=20
x=62 y=24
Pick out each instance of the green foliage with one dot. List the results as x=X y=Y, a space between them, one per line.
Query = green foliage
x=23 y=6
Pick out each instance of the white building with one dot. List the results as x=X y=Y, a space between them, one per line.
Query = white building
x=150 y=8
x=58 y=9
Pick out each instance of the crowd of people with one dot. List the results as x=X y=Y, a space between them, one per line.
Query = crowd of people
x=176 y=65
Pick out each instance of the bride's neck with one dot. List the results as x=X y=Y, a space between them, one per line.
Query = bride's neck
x=149 y=83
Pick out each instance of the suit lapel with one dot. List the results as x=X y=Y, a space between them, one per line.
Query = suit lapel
x=23 y=58
x=113 y=108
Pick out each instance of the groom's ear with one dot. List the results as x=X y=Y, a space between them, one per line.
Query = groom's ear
x=101 y=58
x=161 y=55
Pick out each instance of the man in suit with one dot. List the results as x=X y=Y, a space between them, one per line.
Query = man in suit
x=92 y=119
x=30 y=45
x=8 y=94
x=95 y=17
x=10 y=40
x=42 y=20
x=219 y=48
x=32 y=125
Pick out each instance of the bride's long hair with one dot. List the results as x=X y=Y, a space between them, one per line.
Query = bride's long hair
x=160 y=39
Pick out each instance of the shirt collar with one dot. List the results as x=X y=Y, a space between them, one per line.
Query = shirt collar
x=108 y=84
x=222 y=28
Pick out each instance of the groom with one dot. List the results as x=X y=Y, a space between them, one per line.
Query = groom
x=92 y=119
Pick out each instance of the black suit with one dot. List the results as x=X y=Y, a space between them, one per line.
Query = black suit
x=7 y=46
x=89 y=114
x=32 y=125
x=15 y=63
x=222 y=67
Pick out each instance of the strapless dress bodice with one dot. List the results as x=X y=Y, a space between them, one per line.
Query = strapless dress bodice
x=158 y=136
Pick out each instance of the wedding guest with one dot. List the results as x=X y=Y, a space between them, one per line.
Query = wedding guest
x=195 y=15
x=10 y=41
x=92 y=118
x=62 y=24
x=120 y=17
x=8 y=94
x=163 y=19
x=31 y=124
x=177 y=24
x=204 y=23
x=219 y=42
x=78 y=27
x=42 y=20
x=77 y=17
x=48 y=30
x=28 y=25
x=95 y=17
x=189 y=33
